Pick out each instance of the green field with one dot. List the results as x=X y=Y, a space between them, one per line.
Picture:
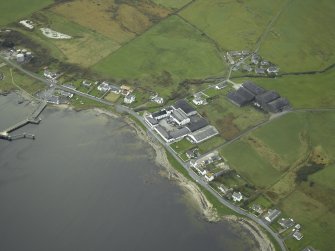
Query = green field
x=250 y=165
x=173 y=4
x=235 y=25
x=296 y=136
x=13 y=10
x=173 y=47
x=303 y=37
x=27 y=84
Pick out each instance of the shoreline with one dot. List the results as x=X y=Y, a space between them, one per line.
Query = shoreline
x=205 y=207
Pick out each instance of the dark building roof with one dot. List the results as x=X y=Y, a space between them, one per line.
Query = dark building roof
x=266 y=97
x=241 y=97
x=254 y=89
x=197 y=122
x=185 y=106
x=159 y=113
x=278 y=105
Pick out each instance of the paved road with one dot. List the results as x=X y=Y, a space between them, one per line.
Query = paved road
x=194 y=176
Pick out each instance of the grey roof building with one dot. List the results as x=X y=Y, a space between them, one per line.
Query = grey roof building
x=266 y=98
x=203 y=134
x=196 y=122
x=253 y=88
x=272 y=214
x=185 y=106
x=160 y=114
x=278 y=105
x=180 y=133
x=180 y=117
x=241 y=97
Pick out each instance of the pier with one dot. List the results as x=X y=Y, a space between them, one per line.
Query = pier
x=32 y=119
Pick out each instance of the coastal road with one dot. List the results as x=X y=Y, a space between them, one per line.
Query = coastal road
x=195 y=177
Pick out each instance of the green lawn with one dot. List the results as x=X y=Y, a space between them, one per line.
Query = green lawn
x=235 y=25
x=182 y=146
x=13 y=10
x=326 y=177
x=303 y=38
x=172 y=47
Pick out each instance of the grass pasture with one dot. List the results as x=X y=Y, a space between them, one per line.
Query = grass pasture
x=303 y=37
x=27 y=84
x=111 y=18
x=12 y=10
x=235 y=25
x=173 y=47
x=310 y=203
x=173 y=4
x=250 y=165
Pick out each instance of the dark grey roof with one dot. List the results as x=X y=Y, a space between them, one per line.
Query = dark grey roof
x=197 y=122
x=184 y=105
x=253 y=88
x=267 y=97
x=179 y=133
x=159 y=113
x=241 y=97
x=277 y=105
x=236 y=99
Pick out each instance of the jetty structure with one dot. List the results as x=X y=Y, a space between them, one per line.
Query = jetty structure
x=32 y=119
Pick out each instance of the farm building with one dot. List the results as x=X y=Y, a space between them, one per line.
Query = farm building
x=241 y=97
x=179 y=133
x=298 y=235
x=277 y=105
x=266 y=97
x=197 y=122
x=203 y=134
x=253 y=88
x=185 y=106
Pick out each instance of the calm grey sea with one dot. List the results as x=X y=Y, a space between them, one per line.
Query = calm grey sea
x=88 y=183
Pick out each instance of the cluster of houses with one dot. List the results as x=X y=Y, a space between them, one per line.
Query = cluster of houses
x=179 y=121
x=286 y=223
x=212 y=166
x=269 y=101
x=256 y=63
x=124 y=90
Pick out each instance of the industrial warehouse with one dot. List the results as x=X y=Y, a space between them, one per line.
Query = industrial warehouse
x=180 y=120
x=269 y=101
